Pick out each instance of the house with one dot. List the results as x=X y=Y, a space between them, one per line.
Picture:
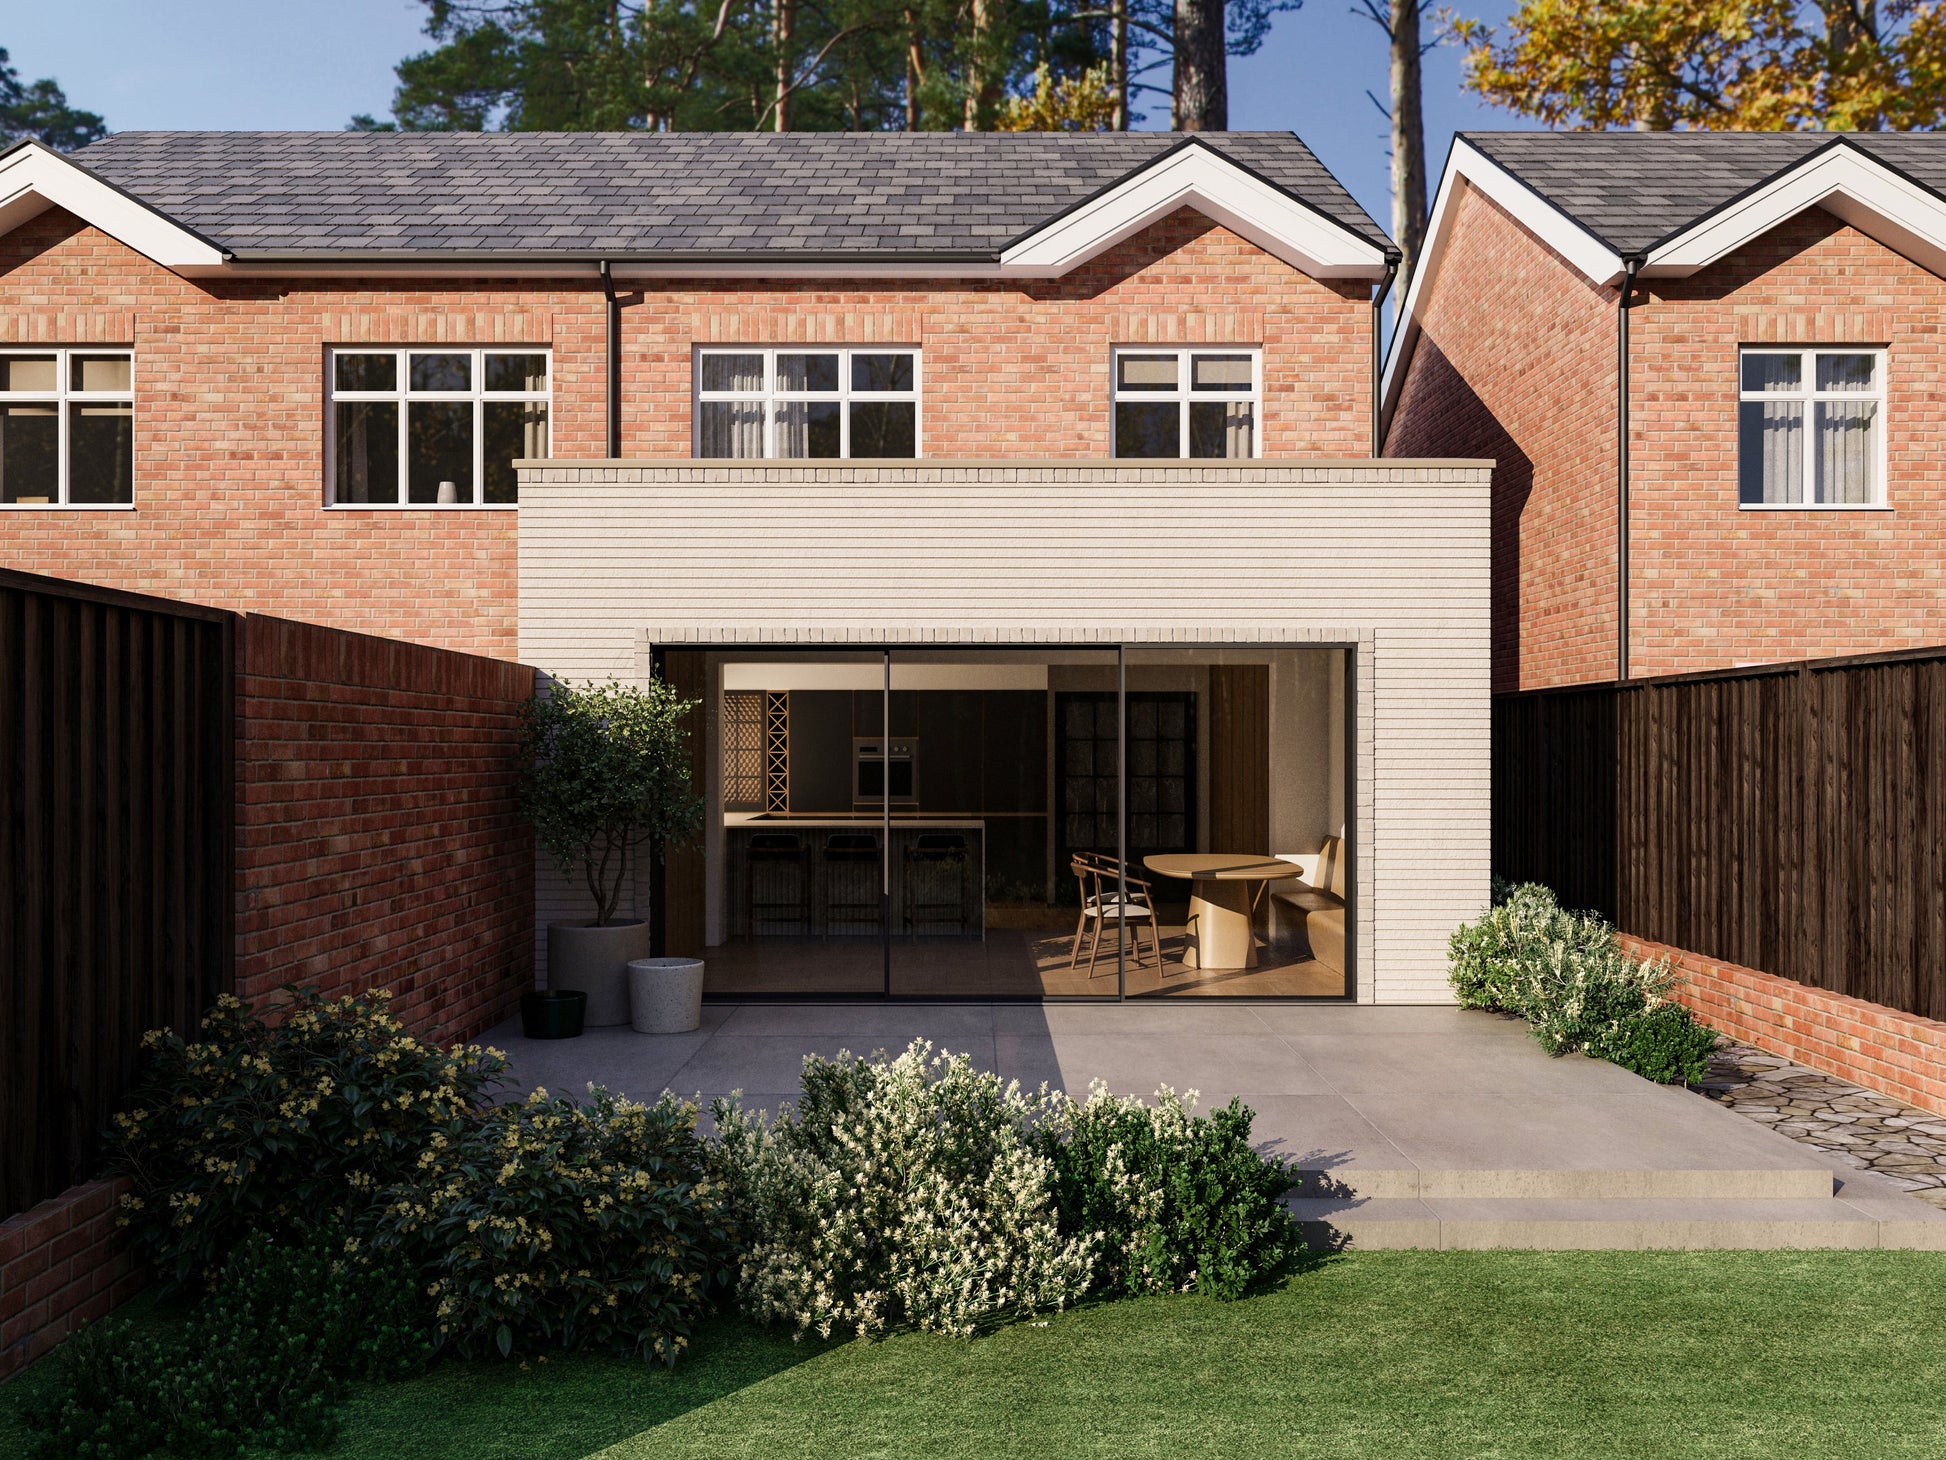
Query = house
x=1708 y=366
x=1780 y=497
x=1007 y=503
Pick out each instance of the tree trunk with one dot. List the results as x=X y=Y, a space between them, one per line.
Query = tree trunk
x=1408 y=141
x=984 y=72
x=1118 y=63
x=783 y=20
x=1200 y=101
x=915 y=69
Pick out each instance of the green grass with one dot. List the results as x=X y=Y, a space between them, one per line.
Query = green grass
x=1380 y=1354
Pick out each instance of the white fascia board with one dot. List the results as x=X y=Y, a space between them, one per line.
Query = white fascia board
x=34 y=178
x=1468 y=167
x=1196 y=176
x=1843 y=180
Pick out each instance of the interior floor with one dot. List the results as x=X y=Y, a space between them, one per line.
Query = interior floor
x=1028 y=957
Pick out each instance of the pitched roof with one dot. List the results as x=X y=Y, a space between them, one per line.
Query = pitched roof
x=1632 y=190
x=870 y=195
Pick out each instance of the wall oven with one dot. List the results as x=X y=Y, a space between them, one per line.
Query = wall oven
x=877 y=764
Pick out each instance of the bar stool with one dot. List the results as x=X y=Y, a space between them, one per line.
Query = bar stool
x=853 y=889
x=935 y=881
x=777 y=884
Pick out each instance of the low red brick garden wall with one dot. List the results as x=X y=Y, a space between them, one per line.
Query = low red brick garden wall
x=61 y=1265
x=1897 y=1054
x=379 y=844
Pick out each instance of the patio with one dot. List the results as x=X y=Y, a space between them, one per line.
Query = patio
x=1412 y=1126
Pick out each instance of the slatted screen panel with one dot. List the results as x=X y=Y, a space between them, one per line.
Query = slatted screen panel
x=1789 y=819
x=116 y=796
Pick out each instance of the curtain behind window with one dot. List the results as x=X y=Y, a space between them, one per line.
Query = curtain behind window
x=1847 y=450
x=1771 y=452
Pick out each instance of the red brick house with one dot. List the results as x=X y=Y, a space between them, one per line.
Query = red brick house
x=1783 y=498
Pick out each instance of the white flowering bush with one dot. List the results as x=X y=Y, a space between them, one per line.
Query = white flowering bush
x=907 y=1192
x=1565 y=974
x=1178 y=1202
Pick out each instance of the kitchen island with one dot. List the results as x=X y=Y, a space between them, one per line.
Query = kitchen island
x=826 y=876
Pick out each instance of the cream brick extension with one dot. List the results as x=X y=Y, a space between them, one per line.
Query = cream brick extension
x=1386 y=558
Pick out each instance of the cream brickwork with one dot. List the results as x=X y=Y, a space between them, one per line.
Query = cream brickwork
x=1390 y=558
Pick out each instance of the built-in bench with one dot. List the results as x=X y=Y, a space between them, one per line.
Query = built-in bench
x=1318 y=906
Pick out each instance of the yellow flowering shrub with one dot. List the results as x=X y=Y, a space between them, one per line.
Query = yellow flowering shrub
x=272 y=1128
x=553 y=1223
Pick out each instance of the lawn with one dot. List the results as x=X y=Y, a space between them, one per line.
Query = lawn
x=1375 y=1354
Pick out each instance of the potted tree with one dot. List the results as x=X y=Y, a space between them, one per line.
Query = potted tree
x=607 y=773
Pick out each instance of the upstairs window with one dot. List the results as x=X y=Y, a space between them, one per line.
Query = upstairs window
x=1187 y=403
x=807 y=403
x=67 y=428
x=1811 y=428
x=434 y=428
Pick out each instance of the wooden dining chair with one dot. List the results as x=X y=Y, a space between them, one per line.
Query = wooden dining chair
x=1100 y=878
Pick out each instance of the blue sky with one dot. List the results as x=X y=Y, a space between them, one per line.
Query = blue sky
x=280 y=63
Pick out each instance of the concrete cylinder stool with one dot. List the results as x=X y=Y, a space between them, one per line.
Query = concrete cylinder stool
x=665 y=995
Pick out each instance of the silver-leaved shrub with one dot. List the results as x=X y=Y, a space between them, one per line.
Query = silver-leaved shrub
x=1565 y=974
x=907 y=1192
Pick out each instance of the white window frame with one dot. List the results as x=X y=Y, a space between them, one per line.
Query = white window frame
x=1810 y=397
x=1183 y=395
x=479 y=395
x=61 y=396
x=772 y=397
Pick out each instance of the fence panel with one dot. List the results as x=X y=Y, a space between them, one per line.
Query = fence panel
x=1790 y=818
x=116 y=795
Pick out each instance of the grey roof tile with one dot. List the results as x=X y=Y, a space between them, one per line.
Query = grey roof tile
x=640 y=193
x=1634 y=189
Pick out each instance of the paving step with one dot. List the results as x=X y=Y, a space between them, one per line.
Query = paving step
x=1620 y=1224
x=1811 y=1181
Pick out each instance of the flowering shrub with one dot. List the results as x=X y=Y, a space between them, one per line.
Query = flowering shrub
x=255 y=1127
x=265 y=1353
x=1565 y=974
x=551 y=1222
x=898 y=1192
x=1180 y=1202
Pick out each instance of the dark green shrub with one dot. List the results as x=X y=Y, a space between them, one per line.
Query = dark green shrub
x=1181 y=1202
x=259 y=1127
x=549 y=1222
x=262 y=1359
x=1665 y=1043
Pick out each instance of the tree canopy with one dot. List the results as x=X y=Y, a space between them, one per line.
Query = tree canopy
x=784 y=65
x=40 y=110
x=1756 y=65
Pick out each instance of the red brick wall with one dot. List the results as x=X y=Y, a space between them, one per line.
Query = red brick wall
x=1898 y=1054
x=378 y=840
x=61 y=1265
x=1517 y=362
x=230 y=407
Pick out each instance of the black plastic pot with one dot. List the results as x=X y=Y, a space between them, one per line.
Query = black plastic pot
x=552 y=1013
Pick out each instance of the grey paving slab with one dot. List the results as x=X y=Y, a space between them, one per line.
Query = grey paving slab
x=1444 y=1064
x=1170 y=1018
x=1215 y=1065
x=1349 y=1020
x=776 y=1061
x=631 y=1064
x=1323 y=1136
x=941 y=1023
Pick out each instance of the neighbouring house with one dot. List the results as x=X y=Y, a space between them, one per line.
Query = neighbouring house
x=1708 y=366
x=1008 y=503
x=1782 y=493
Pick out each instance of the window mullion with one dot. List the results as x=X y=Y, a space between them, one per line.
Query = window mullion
x=403 y=485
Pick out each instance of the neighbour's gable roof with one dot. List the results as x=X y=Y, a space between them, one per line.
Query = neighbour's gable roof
x=710 y=199
x=1670 y=203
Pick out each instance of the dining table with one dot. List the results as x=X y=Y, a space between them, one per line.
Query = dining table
x=1225 y=889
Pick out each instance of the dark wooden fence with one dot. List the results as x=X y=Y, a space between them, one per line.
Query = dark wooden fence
x=1789 y=818
x=116 y=905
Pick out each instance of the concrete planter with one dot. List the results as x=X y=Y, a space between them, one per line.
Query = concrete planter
x=595 y=960
x=666 y=994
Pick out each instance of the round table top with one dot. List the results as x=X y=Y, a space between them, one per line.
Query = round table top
x=1220 y=866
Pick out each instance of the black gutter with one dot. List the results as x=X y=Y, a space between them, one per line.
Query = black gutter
x=1378 y=354
x=614 y=363
x=1630 y=267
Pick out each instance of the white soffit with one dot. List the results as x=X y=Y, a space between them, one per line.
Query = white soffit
x=1196 y=176
x=1843 y=180
x=34 y=178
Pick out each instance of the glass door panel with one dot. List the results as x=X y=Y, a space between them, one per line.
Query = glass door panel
x=985 y=897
